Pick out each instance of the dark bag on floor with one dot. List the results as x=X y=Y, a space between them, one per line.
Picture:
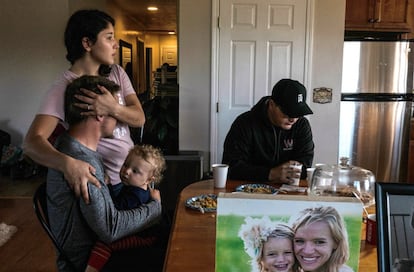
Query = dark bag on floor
x=24 y=169
x=5 y=140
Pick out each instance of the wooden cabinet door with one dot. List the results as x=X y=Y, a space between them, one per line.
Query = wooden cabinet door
x=359 y=14
x=391 y=14
x=377 y=15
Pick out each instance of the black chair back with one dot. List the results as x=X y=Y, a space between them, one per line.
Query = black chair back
x=40 y=207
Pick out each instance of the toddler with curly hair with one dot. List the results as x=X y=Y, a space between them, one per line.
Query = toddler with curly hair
x=269 y=245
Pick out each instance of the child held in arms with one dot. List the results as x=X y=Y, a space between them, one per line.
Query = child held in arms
x=142 y=168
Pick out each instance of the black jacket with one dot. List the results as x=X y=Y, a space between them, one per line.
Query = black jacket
x=253 y=145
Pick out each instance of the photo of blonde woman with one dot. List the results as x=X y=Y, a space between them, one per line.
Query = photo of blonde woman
x=321 y=240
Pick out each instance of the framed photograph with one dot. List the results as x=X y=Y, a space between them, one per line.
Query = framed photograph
x=395 y=225
x=246 y=224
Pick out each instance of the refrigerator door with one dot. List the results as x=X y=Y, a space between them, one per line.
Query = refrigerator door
x=375 y=136
x=376 y=105
x=375 y=67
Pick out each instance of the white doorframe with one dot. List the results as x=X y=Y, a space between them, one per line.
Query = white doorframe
x=309 y=45
x=214 y=79
x=215 y=41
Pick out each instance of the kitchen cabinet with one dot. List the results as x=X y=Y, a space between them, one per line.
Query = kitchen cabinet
x=378 y=15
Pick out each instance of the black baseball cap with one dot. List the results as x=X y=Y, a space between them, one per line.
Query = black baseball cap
x=290 y=96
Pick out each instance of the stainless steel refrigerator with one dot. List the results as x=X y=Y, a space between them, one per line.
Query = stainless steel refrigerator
x=376 y=107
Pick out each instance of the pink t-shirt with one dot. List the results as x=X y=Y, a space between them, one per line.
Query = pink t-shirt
x=114 y=150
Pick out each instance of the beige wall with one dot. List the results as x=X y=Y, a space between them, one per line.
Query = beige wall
x=32 y=55
x=326 y=71
x=194 y=57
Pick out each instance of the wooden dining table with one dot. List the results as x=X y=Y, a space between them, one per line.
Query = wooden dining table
x=192 y=241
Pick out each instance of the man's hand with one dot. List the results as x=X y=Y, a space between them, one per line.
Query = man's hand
x=78 y=173
x=284 y=173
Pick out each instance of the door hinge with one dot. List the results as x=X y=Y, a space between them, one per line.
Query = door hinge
x=217 y=107
x=218 y=22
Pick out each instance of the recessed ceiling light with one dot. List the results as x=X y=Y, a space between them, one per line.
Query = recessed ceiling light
x=131 y=32
x=152 y=8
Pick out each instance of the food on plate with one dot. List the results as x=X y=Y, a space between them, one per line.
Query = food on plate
x=345 y=191
x=364 y=197
x=203 y=203
x=256 y=189
x=207 y=202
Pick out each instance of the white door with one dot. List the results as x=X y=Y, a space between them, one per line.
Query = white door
x=169 y=55
x=259 y=43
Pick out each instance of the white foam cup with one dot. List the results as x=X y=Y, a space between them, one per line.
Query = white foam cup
x=220 y=175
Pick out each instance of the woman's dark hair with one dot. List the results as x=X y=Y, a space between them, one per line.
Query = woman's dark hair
x=84 y=23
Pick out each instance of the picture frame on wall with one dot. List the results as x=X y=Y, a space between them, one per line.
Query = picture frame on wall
x=395 y=226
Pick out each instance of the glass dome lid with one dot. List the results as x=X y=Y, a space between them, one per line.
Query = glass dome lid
x=344 y=179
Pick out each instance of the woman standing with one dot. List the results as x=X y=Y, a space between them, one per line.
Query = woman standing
x=91 y=49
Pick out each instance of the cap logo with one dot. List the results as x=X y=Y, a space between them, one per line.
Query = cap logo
x=300 y=98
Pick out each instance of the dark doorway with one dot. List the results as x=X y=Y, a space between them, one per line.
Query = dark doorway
x=148 y=68
x=141 y=67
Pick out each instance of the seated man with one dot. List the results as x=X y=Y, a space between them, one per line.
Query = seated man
x=76 y=224
x=263 y=142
